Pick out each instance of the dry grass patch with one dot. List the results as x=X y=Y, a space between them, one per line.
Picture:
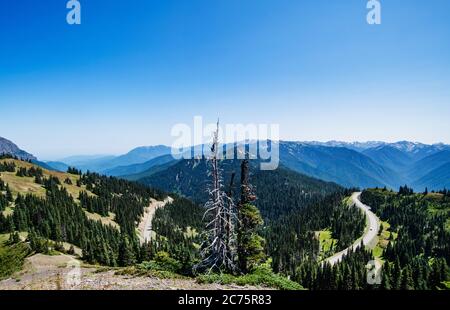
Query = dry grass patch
x=26 y=185
x=106 y=220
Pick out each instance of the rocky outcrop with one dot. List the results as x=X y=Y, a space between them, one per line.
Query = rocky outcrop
x=8 y=147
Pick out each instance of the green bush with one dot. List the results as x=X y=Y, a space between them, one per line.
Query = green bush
x=12 y=258
x=165 y=262
x=222 y=278
x=163 y=266
x=143 y=270
x=260 y=276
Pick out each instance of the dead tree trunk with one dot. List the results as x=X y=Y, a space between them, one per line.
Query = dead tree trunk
x=218 y=252
x=231 y=215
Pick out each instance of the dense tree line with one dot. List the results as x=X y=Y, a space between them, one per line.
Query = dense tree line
x=30 y=172
x=95 y=204
x=420 y=273
x=108 y=186
x=9 y=156
x=3 y=202
x=35 y=172
x=7 y=166
x=6 y=196
x=348 y=274
x=75 y=171
x=419 y=257
x=444 y=192
x=405 y=190
x=282 y=191
x=347 y=225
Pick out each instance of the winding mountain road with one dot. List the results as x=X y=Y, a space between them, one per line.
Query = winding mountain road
x=145 y=225
x=369 y=238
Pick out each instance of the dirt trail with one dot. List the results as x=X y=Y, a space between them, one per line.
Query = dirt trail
x=145 y=225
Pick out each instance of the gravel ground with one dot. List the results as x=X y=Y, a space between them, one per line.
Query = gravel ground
x=42 y=272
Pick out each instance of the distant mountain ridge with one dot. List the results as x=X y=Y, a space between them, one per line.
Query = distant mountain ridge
x=349 y=164
x=402 y=162
x=140 y=155
x=138 y=168
x=337 y=164
x=390 y=157
x=435 y=179
x=106 y=164
x=417 y=150
x=370 y=164
x=59 y=166
x=429 y=163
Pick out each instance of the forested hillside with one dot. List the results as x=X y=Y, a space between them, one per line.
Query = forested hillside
x=292 y=239
x=419 y=257
x=94 y=212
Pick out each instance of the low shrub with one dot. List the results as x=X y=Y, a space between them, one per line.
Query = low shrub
x=138 y=271
x=163 y=266
x=165 y=262
x=260 y=276
x=12 y=258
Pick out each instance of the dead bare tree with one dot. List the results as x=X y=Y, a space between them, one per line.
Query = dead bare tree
x=231 y=217
x=218 y=251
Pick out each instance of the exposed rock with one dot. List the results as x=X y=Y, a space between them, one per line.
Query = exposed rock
x=8 y=147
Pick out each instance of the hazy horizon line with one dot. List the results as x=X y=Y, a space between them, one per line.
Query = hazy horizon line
x=100 y=155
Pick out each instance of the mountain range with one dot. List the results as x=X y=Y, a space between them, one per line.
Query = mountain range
x=112 y=165
x=364 y=165
x=356 y=164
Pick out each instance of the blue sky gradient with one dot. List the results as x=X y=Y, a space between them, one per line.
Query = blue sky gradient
x=133 y=69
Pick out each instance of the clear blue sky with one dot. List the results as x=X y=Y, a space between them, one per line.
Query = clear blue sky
x=133 y=69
